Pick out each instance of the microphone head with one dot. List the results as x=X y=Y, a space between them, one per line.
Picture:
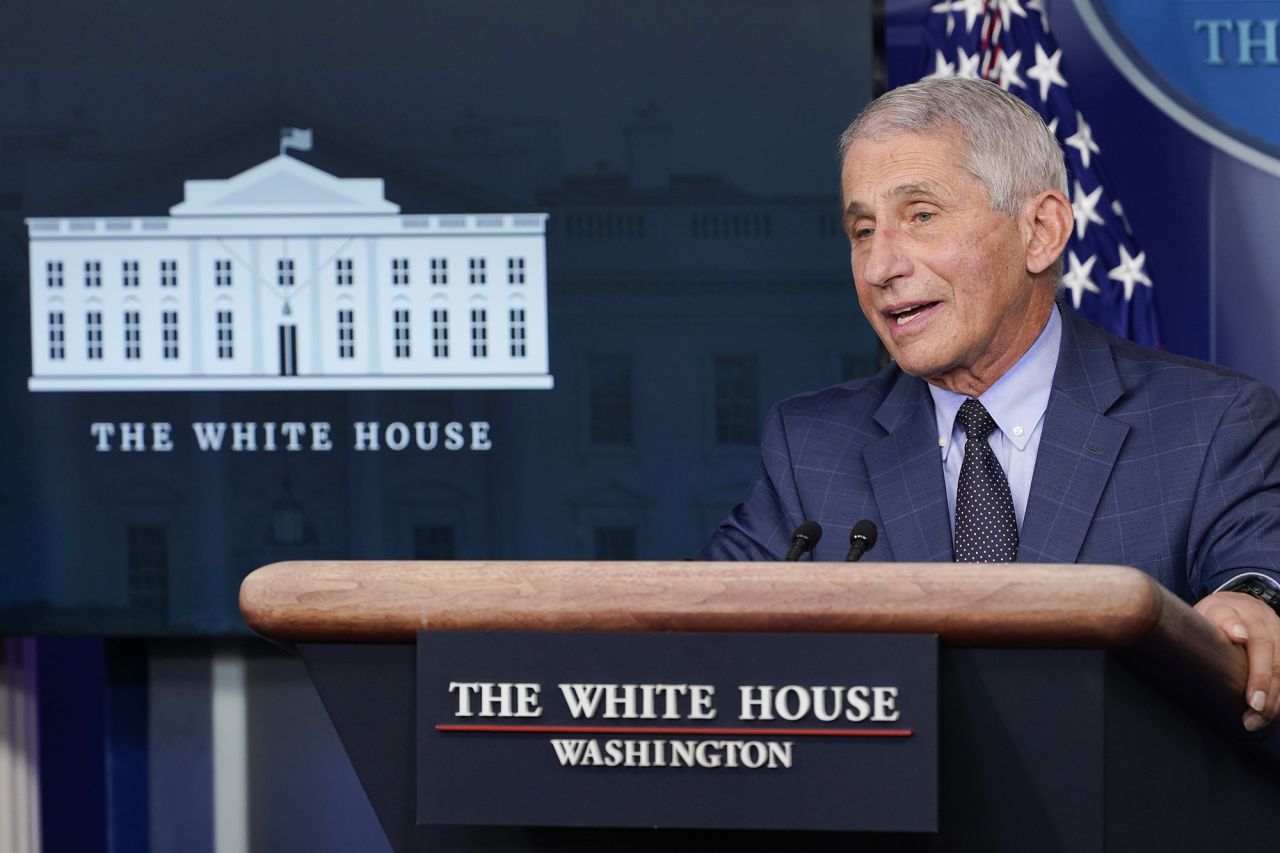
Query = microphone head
x=809 y=531
x=864 y=530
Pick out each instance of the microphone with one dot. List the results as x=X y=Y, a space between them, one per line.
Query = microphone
x=861 y=540
x=803 y=540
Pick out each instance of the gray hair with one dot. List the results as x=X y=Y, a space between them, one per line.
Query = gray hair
x=1010 y=150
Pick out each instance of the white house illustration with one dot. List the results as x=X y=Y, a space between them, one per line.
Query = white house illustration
x=285 y=277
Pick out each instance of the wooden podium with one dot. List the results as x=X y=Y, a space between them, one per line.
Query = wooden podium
x=1080 y=707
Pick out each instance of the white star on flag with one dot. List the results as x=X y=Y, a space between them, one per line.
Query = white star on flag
x=973 y=9
x=1085 y=209
x=1007 y=70
x=1008 y=7
x=1130 y=272
x=1045 y=71
x=967 y=66
x=1079 y=277
x=1082 y=139
x=944 y=68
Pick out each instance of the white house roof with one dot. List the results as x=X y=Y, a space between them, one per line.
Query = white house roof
x=283 y=185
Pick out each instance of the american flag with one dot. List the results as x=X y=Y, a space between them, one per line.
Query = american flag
x=1008 y=42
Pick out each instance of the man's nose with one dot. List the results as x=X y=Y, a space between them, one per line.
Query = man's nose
x=884 y=260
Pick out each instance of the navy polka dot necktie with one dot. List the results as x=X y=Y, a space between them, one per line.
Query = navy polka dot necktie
x=986 y=527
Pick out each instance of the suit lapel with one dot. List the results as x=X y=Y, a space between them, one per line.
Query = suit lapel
x=905 y=471
x=1078 y=447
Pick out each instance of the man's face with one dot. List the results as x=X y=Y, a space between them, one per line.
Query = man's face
x=941 y=276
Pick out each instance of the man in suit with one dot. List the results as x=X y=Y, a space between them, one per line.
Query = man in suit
x=1085 y=447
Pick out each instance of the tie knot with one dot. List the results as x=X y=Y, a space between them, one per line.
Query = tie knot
x=976 y=420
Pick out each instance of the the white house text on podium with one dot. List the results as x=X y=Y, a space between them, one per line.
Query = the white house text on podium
x=285 y=277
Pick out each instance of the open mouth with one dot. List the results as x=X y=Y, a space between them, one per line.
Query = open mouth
x=907 y=313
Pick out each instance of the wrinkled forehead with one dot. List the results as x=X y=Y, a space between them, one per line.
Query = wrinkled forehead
x=895 y=164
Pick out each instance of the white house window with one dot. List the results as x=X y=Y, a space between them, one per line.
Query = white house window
x=344 y=272
x=129 y=273
x=57 y=335
x=515 y=270
x=400 y=332
x=479 y=333
x=284 y=272
x=222 y=272
x=93 y=335
x=53 y=273
x=93 y=273
x=132 y=335
x=440 y=332
x=737 y=399
x=517 y=319
x=169 y=333
x=400 y=271
x=225 y=332
x=609 y=408
x=439 y=270
x=347 y=333
x=476 y=271
x=168 y=273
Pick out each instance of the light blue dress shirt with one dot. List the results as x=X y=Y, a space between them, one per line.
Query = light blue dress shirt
x=1017 y=402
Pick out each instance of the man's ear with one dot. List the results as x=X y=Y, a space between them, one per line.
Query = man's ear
x=1048 y=220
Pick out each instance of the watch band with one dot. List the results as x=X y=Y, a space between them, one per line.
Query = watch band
x=1259 y=589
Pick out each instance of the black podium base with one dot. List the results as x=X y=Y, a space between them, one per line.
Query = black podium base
x=1042 y=750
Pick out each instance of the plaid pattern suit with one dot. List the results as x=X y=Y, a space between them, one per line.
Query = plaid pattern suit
x=1146 y=459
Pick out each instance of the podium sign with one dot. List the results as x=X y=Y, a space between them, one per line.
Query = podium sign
x=694 y=730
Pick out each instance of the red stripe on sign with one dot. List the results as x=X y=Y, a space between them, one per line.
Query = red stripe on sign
x=670 y=730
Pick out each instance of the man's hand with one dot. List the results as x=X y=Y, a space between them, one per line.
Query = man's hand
x=1248 y=622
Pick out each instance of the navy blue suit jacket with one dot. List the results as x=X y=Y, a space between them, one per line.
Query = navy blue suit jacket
x=1146 y=459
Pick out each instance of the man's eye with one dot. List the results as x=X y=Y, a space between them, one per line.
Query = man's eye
x=862 y=233
x=924 y=216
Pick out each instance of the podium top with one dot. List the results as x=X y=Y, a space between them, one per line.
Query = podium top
x=965 y=604
x=1028 y=605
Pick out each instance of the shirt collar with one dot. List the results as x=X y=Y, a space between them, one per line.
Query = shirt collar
x=1018 y=400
